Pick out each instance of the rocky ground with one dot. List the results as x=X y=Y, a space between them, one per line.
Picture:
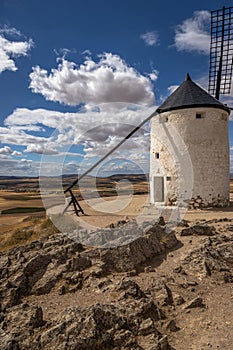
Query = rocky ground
x=161 y=290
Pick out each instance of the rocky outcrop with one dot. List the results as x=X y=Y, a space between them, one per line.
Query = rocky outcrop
x=214 y=255
x=61 y=264
x=98 y=327
x=127 y=257
x=39 y=267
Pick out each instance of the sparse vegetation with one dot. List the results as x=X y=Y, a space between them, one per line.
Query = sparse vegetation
x=34 y=228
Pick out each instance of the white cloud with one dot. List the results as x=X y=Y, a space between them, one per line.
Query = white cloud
x=150 y=38
x=16 y=153
x=97 y=132
x=16 y=136
x=10 y=31
x=153 y=75
x=6 y=150
x=172 y=88
x=40 y=149
x=193 y=33
x=10 y=49
x=92 y=83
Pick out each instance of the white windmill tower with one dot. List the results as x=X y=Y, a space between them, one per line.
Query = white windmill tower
x=201 y=122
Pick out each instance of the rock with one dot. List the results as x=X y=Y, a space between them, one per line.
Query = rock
x=209 y=258
x=161 y=221
x=163 y=343
x=171 y=326
x=178 y=299
x=35 y=269
x=124 y=338
x=97 y=327
x=48 y=281
x=169 y=298
x=38 y=267
x=180 y=269
x=19 y=325
x=196 y=302
x=130 y=289
x=199 y=230
x=183 y=223
x=128 y=257
x=147 y=327
x=79 y=263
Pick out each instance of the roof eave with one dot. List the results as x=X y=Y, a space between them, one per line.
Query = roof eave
x=223 y=107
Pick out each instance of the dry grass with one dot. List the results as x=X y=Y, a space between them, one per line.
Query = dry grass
x=30 y=230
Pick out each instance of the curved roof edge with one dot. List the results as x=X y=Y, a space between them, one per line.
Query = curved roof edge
x=223 y=107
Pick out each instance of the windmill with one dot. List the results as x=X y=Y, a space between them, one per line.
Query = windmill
x=220 y=77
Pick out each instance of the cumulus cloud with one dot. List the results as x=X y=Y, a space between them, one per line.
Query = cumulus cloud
x=92 y=83
x=193 y=33
x=6 y=150
x=150 y=38
x=16 y=153
x=10 y=49
x=41 y=149
x=96 y=125
x=16 y=136
x=96 y=131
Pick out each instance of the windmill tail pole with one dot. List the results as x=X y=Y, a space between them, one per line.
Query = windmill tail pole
x=132 y=132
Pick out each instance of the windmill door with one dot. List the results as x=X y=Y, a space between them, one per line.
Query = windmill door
x=158 y=189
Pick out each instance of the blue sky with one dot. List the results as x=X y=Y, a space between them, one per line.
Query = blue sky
x=69 y=69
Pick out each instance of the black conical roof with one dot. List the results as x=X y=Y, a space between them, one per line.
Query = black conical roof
x=189 y=95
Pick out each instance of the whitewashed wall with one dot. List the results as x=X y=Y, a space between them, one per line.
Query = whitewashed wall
x=193 y=156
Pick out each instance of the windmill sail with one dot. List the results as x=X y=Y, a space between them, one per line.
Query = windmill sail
x=221 y=52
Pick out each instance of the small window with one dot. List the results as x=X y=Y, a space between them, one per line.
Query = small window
x=199 y=116
x=169 y=178
x=156 y=155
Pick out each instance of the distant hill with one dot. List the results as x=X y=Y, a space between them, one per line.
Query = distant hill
x=24 y=184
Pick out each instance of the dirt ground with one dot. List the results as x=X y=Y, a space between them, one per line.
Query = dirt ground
x=104 y=211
